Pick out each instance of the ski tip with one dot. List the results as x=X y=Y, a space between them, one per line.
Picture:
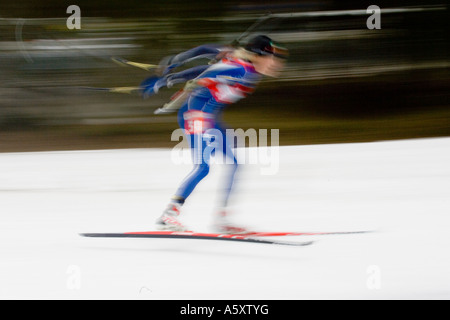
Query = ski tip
x=84 y=235
x=294 y=244
x=92 y=235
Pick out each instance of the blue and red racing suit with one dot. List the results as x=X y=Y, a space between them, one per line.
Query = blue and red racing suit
x=220 y=84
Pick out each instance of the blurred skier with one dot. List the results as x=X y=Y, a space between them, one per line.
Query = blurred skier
x=233 y=74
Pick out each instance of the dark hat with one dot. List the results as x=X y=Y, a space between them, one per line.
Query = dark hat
x=263 y=45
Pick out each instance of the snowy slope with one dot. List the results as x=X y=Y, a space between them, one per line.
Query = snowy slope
x=400 y=189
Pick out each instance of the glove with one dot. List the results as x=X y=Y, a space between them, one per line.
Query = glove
x=148 y=86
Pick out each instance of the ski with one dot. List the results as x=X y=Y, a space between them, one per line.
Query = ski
x=195 y=235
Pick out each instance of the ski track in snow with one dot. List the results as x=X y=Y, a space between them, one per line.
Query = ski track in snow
x=399 y=189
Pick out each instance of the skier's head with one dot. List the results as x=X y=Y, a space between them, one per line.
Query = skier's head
x=264 y=46
x=266 y=56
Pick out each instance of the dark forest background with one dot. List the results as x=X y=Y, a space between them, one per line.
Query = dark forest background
x=342 y=82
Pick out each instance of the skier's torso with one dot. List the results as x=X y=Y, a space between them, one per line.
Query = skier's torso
x=223 y=83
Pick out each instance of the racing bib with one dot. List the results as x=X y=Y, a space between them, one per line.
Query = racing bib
x=196 y=122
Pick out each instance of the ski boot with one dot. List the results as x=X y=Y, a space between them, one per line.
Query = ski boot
x=169 y=219
x=223 y=225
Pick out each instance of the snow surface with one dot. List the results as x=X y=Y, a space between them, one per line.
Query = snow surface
x=399 y=189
